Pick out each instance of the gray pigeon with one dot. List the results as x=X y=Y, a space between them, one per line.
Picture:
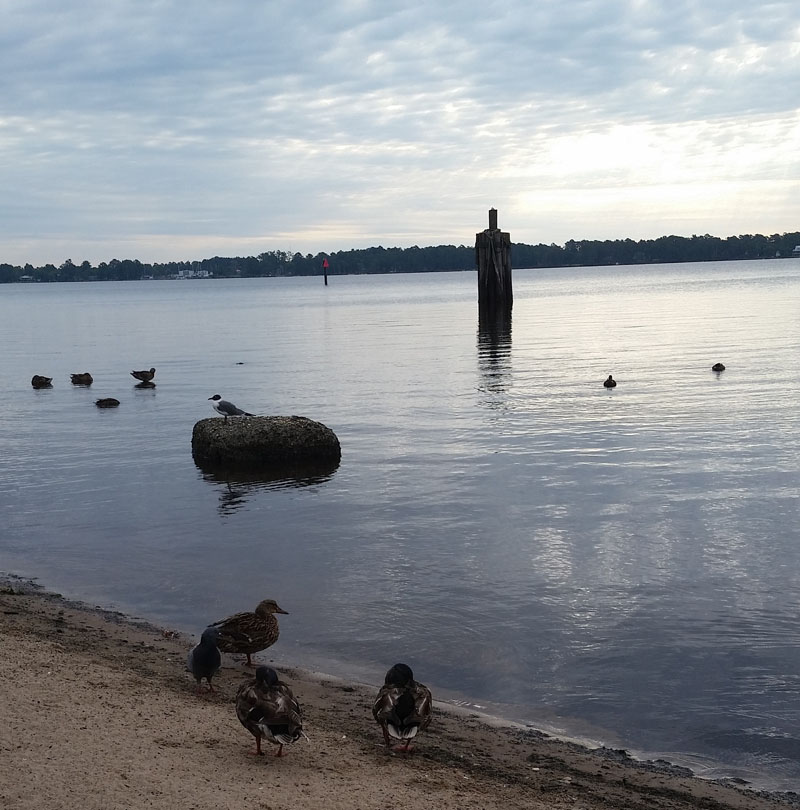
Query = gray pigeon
x=222 y=406
x=204 y=660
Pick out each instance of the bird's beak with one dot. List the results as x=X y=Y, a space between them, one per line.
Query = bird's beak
x=211 y=397
x=286 y=612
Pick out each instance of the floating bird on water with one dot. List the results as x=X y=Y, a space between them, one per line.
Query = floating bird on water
x=402 y=708
x=226 y=408
x=82 y=379
x=107 y=402
x=610 y=382
x=267 y=708
x=718 y=367
x=38 y=381
x=204 y=659
x=250 y=633
x=144 y=376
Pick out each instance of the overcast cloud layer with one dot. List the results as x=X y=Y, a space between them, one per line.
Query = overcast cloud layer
x=157 y=130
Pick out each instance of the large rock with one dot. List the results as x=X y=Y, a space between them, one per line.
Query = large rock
x=264 y=442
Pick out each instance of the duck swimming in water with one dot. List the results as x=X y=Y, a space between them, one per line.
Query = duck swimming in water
x=402 y=708
x=38 y=381
x=144 y=376
x=82 y=379
x=610 y=382
x=718 y=367
x=107 y=402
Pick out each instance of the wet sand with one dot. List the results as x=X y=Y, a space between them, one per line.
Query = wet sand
x=98 y=711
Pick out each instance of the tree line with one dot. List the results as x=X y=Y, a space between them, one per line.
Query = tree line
x=582 y=253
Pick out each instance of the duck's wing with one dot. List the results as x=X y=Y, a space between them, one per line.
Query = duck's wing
x=246 y=699
x=423 y=705
x=241 y=628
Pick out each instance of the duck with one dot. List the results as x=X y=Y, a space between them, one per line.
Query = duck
x=250 y=633
x=107 y=402
x=718 y=367
x=144 y=376
x=82 y=379
x=268 y=709
x=204 y=659
x=402 y=708
x=610 y=382
x=38 y=381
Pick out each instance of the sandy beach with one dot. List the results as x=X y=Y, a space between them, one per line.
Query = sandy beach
x=98 y=711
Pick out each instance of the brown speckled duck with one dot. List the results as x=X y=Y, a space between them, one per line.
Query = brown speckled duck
x=250 y=633
x=402 y=708
x=144 y=376
x=267 y=708
x=82 y=379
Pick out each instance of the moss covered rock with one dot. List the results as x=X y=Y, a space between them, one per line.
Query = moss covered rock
x=263 y=442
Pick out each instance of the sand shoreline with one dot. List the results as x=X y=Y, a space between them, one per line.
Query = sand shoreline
x=100 y=712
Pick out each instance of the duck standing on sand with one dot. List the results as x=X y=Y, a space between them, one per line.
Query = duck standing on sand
x=402 y=708
x=610 y=382
x=267 y=708
x=250 y=633
x=204 y=660
x=226 y=408
x=38 y=381
x=82 y=379
x=144 y=376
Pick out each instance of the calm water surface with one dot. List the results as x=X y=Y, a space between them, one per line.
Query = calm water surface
x=620 y=565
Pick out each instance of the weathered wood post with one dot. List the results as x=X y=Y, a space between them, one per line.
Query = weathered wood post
x=493 y=258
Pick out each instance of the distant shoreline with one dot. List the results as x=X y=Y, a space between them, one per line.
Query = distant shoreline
x=439 y=258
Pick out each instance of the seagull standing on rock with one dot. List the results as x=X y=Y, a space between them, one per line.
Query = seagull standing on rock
x=226 y=408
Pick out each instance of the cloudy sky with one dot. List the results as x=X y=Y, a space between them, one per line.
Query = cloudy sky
x=158 y=129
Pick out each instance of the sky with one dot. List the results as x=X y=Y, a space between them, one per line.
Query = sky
x=161 y=130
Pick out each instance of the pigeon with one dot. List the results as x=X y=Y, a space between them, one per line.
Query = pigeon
x=226 y=408
x=204 y=659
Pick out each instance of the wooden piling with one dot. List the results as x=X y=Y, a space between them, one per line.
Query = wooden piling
x=493 y=259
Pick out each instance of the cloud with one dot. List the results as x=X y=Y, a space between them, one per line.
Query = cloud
x=173 y=128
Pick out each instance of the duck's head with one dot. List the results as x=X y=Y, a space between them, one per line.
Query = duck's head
x=399 y=675
x=266 y=676
x=267 y=606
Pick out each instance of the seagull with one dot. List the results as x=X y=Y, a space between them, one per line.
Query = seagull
x=610 y=382
x=204 y=660
x=226 y=408
x=144 y=376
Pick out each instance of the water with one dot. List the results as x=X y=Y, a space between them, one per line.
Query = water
x=619 y=565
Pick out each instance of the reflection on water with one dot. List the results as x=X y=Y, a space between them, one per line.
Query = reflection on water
x=494 y=351
x=236 y=484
